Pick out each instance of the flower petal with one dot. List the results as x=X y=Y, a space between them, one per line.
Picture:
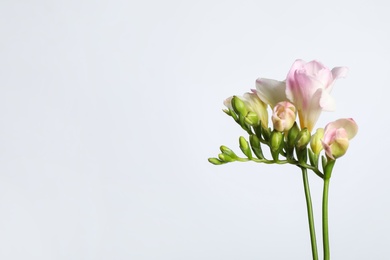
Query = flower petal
x=348 y=124
x=327 y=102
x=339 y=72
x=271 y=91
x=309 y=116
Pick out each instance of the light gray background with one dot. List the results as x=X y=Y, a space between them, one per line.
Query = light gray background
x=110 y=109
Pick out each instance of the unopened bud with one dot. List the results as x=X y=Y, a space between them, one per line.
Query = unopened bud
x=276 y=141
x=303 y=139
x=245 y=148
x=225 y=158
x=215 y=161
x=256 y=146
x=315 y=142
x=252 y=119
x=292 y=135
x=239 y=106
x=228 y=152
x=283 y=116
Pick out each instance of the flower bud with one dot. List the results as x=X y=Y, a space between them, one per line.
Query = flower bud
x=315 y=142
x=283 y=116
x=228 y=152
x=225 y=158
x=276 y=141
x=245 y=148
x=215 y=161
x=252 y=119
x=256 y=146
x=239 y=106
x=292 y=135
x=340 y=145
x=337 y=135
x=303 y=139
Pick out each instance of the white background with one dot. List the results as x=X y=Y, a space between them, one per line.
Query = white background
x=110 y=109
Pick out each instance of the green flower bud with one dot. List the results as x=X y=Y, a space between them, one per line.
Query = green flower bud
x=276 y=141
x=252 y=119
x=303 y=139
x=228 y=152
x=244 y=146
x=256 y=146
x=225 y=158
x=215 y=161
x=315 y=142
x=239 y=106
x=292 y=135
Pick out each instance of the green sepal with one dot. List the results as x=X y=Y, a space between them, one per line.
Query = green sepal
x=313 y=158
x=256 y=146
x=244 y=146
x=324 y=162
x=328 y=169
x=302 y=155
x=258 y=130
x=266 y=133
x=227 y=112
x=234 y=115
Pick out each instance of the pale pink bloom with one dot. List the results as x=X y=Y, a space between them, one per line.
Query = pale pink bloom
x=283 y=116
x=308 y=86
x=337 y=135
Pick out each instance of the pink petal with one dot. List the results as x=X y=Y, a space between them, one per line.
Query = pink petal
x=348 y=124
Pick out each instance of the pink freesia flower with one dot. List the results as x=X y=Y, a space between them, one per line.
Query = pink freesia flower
x=283 y=116
x=308 y=86
x=337 y=135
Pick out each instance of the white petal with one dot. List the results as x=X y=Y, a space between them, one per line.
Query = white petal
x=271 y=91
x=327 y=102
x=339 y=72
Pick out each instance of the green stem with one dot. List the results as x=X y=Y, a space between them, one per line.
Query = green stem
x=310 y=214
x=325 y=230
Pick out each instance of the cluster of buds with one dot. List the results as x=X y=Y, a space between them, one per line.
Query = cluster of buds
x=300 y=96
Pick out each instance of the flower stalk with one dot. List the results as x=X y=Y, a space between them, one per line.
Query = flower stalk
x=305 y=92
x=310 y=216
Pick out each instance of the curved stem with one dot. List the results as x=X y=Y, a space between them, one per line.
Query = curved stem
x=310 y=214
x=325 y=230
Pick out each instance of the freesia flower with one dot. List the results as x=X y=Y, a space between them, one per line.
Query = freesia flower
x=337 y=135
x=308 y=86
x=283 y=116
